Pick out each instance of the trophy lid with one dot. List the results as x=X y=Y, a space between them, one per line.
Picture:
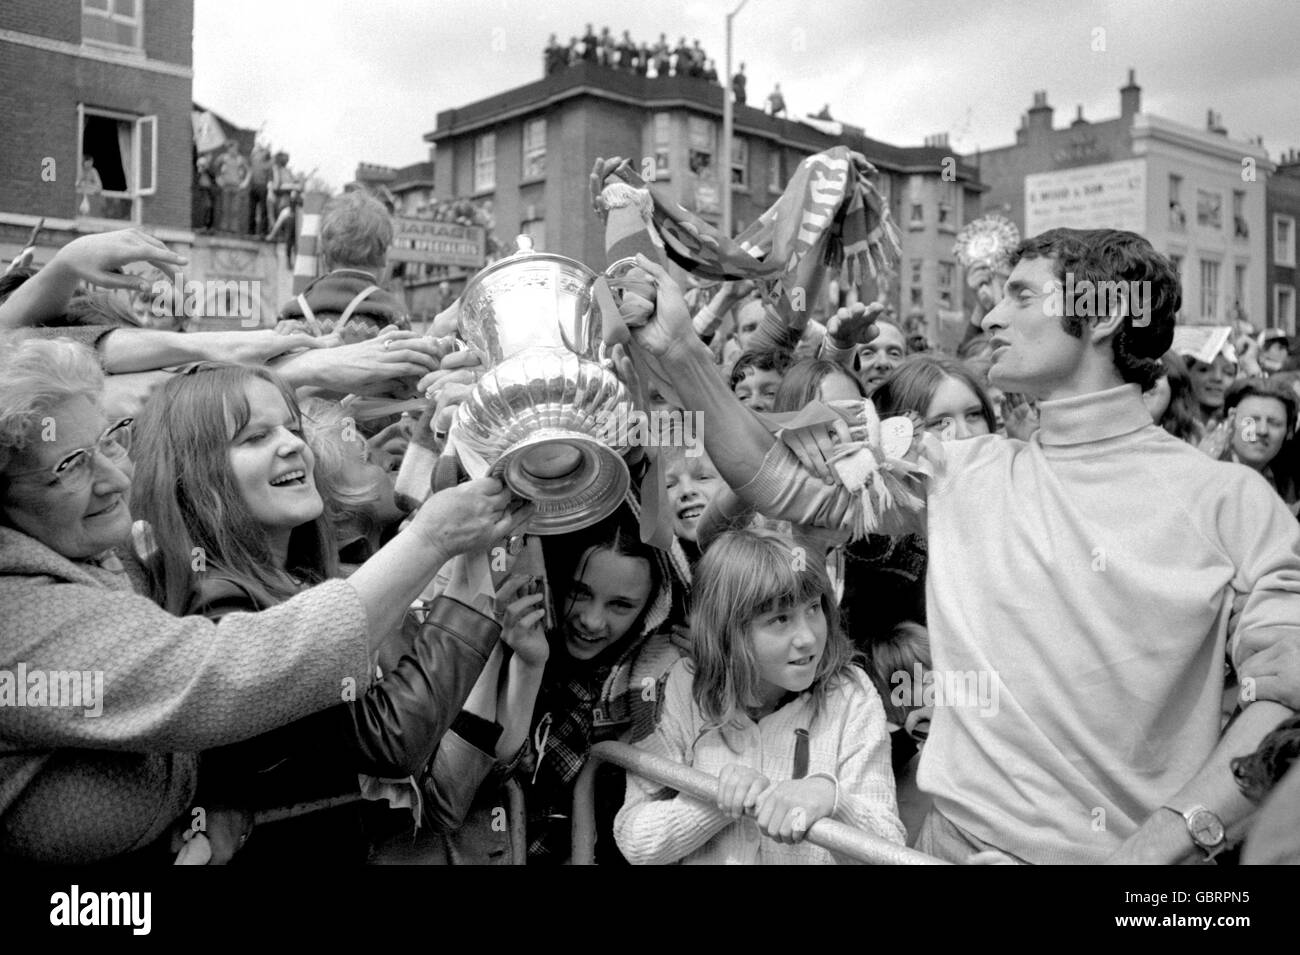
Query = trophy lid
x=530 y=299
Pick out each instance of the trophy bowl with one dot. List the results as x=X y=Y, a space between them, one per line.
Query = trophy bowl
x=545 y=420
x=547 y=298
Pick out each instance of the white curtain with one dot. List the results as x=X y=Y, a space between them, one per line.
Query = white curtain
x=124 y=150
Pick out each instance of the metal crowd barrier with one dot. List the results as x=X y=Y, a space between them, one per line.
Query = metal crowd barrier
x=826 y=833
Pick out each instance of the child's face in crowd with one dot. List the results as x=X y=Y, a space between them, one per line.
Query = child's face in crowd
x=955 y=412
x=788 y=645
x=266 y=451
x=606 y=600
x=1260 y=430
x=1209 y=382
x=838 y=387
x=691 y=484
x=880 y=355
x=757 y=389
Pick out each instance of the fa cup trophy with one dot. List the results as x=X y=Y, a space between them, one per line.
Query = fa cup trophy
x=540 y=417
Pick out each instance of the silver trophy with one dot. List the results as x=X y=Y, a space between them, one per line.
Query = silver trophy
x=543 y=414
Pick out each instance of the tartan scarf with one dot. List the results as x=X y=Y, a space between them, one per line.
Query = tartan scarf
x=831 y=215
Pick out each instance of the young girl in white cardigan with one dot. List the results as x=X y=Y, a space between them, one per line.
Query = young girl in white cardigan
x=771 y=703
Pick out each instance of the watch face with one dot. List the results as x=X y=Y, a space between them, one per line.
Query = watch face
x=1206 y=828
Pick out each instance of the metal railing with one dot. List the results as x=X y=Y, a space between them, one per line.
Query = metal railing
x=827 y=833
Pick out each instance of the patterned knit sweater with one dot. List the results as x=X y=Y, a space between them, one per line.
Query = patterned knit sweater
x=76 y=788
x=848 y=742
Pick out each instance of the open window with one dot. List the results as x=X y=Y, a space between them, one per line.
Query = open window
x=118 y=155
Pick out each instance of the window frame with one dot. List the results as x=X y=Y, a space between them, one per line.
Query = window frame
x=112 y=16
x=1284 y=253
x=1209 y=304
x=532 y=152
x=1285 y=322
x=741 y=144
x=136 y=190
x=481 y=162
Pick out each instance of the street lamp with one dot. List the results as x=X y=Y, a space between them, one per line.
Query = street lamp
x=727 y=119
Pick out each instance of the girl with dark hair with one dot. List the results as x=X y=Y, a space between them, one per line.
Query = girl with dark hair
x=236 y=521
x=944 y=392
x=1171 y=402
x=771 y=703
x=815 y=379
x=596 y=674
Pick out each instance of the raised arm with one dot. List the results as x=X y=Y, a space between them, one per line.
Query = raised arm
x=98 y=259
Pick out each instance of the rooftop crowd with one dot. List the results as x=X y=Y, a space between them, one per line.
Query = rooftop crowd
x=213 y=522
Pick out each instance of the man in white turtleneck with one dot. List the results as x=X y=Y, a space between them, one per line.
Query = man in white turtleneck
x=1090 y=571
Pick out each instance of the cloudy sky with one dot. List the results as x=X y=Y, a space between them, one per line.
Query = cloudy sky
x=339 y=82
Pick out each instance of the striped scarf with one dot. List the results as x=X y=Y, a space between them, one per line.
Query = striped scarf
x=830 y=216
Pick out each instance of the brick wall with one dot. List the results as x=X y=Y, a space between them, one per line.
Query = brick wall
x=39 y=93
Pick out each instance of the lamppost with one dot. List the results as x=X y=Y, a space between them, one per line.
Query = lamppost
x=727 y=119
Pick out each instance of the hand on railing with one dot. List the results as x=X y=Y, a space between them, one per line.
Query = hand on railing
x=826 y=833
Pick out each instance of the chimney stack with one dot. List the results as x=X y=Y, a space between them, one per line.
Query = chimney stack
x=1130 y=97
x=1078 y=118
x=1214 y=123
x=1040 y=114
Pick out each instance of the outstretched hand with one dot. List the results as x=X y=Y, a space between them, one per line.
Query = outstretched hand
x=100 y=259
x=855 y=325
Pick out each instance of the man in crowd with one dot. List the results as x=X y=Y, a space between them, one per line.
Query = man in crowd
x=1091 y=572
x=356 y=232
x=738 y=85
x=233 y=175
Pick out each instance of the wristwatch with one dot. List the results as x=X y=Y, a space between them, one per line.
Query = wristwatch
x=1205 y=828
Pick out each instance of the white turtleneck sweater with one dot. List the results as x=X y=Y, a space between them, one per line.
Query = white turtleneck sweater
x=1089 y=573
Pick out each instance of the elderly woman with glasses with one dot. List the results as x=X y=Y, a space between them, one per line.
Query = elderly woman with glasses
x=105 y=695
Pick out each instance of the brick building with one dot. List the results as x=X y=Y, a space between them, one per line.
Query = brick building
x=106 y=78
x=1282 y=203
x=1198 y=195
x=529 y=151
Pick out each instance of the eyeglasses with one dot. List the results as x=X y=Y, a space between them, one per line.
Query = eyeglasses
x=73 y=473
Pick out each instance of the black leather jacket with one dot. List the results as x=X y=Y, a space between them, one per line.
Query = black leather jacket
x=389 y=730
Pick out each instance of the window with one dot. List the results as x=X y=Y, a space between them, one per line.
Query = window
x=1284 y=308
x=1284 y=240
x=535 y=229
x=700 y=135
x=113 y=22
x=1177 y=217
x=1209 y=289
x=947 y=271
x=775 y=181
x=535 y=148
x=1239 y=283
x=123 y=151
x=1239 y=227
x=740 y=162
x=948 y=207
x=915 y=194
x=1177 y=262
x=917 y=265
x=916 y=298
x=485 y=162
x=663 y=140
x=1209 y=209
